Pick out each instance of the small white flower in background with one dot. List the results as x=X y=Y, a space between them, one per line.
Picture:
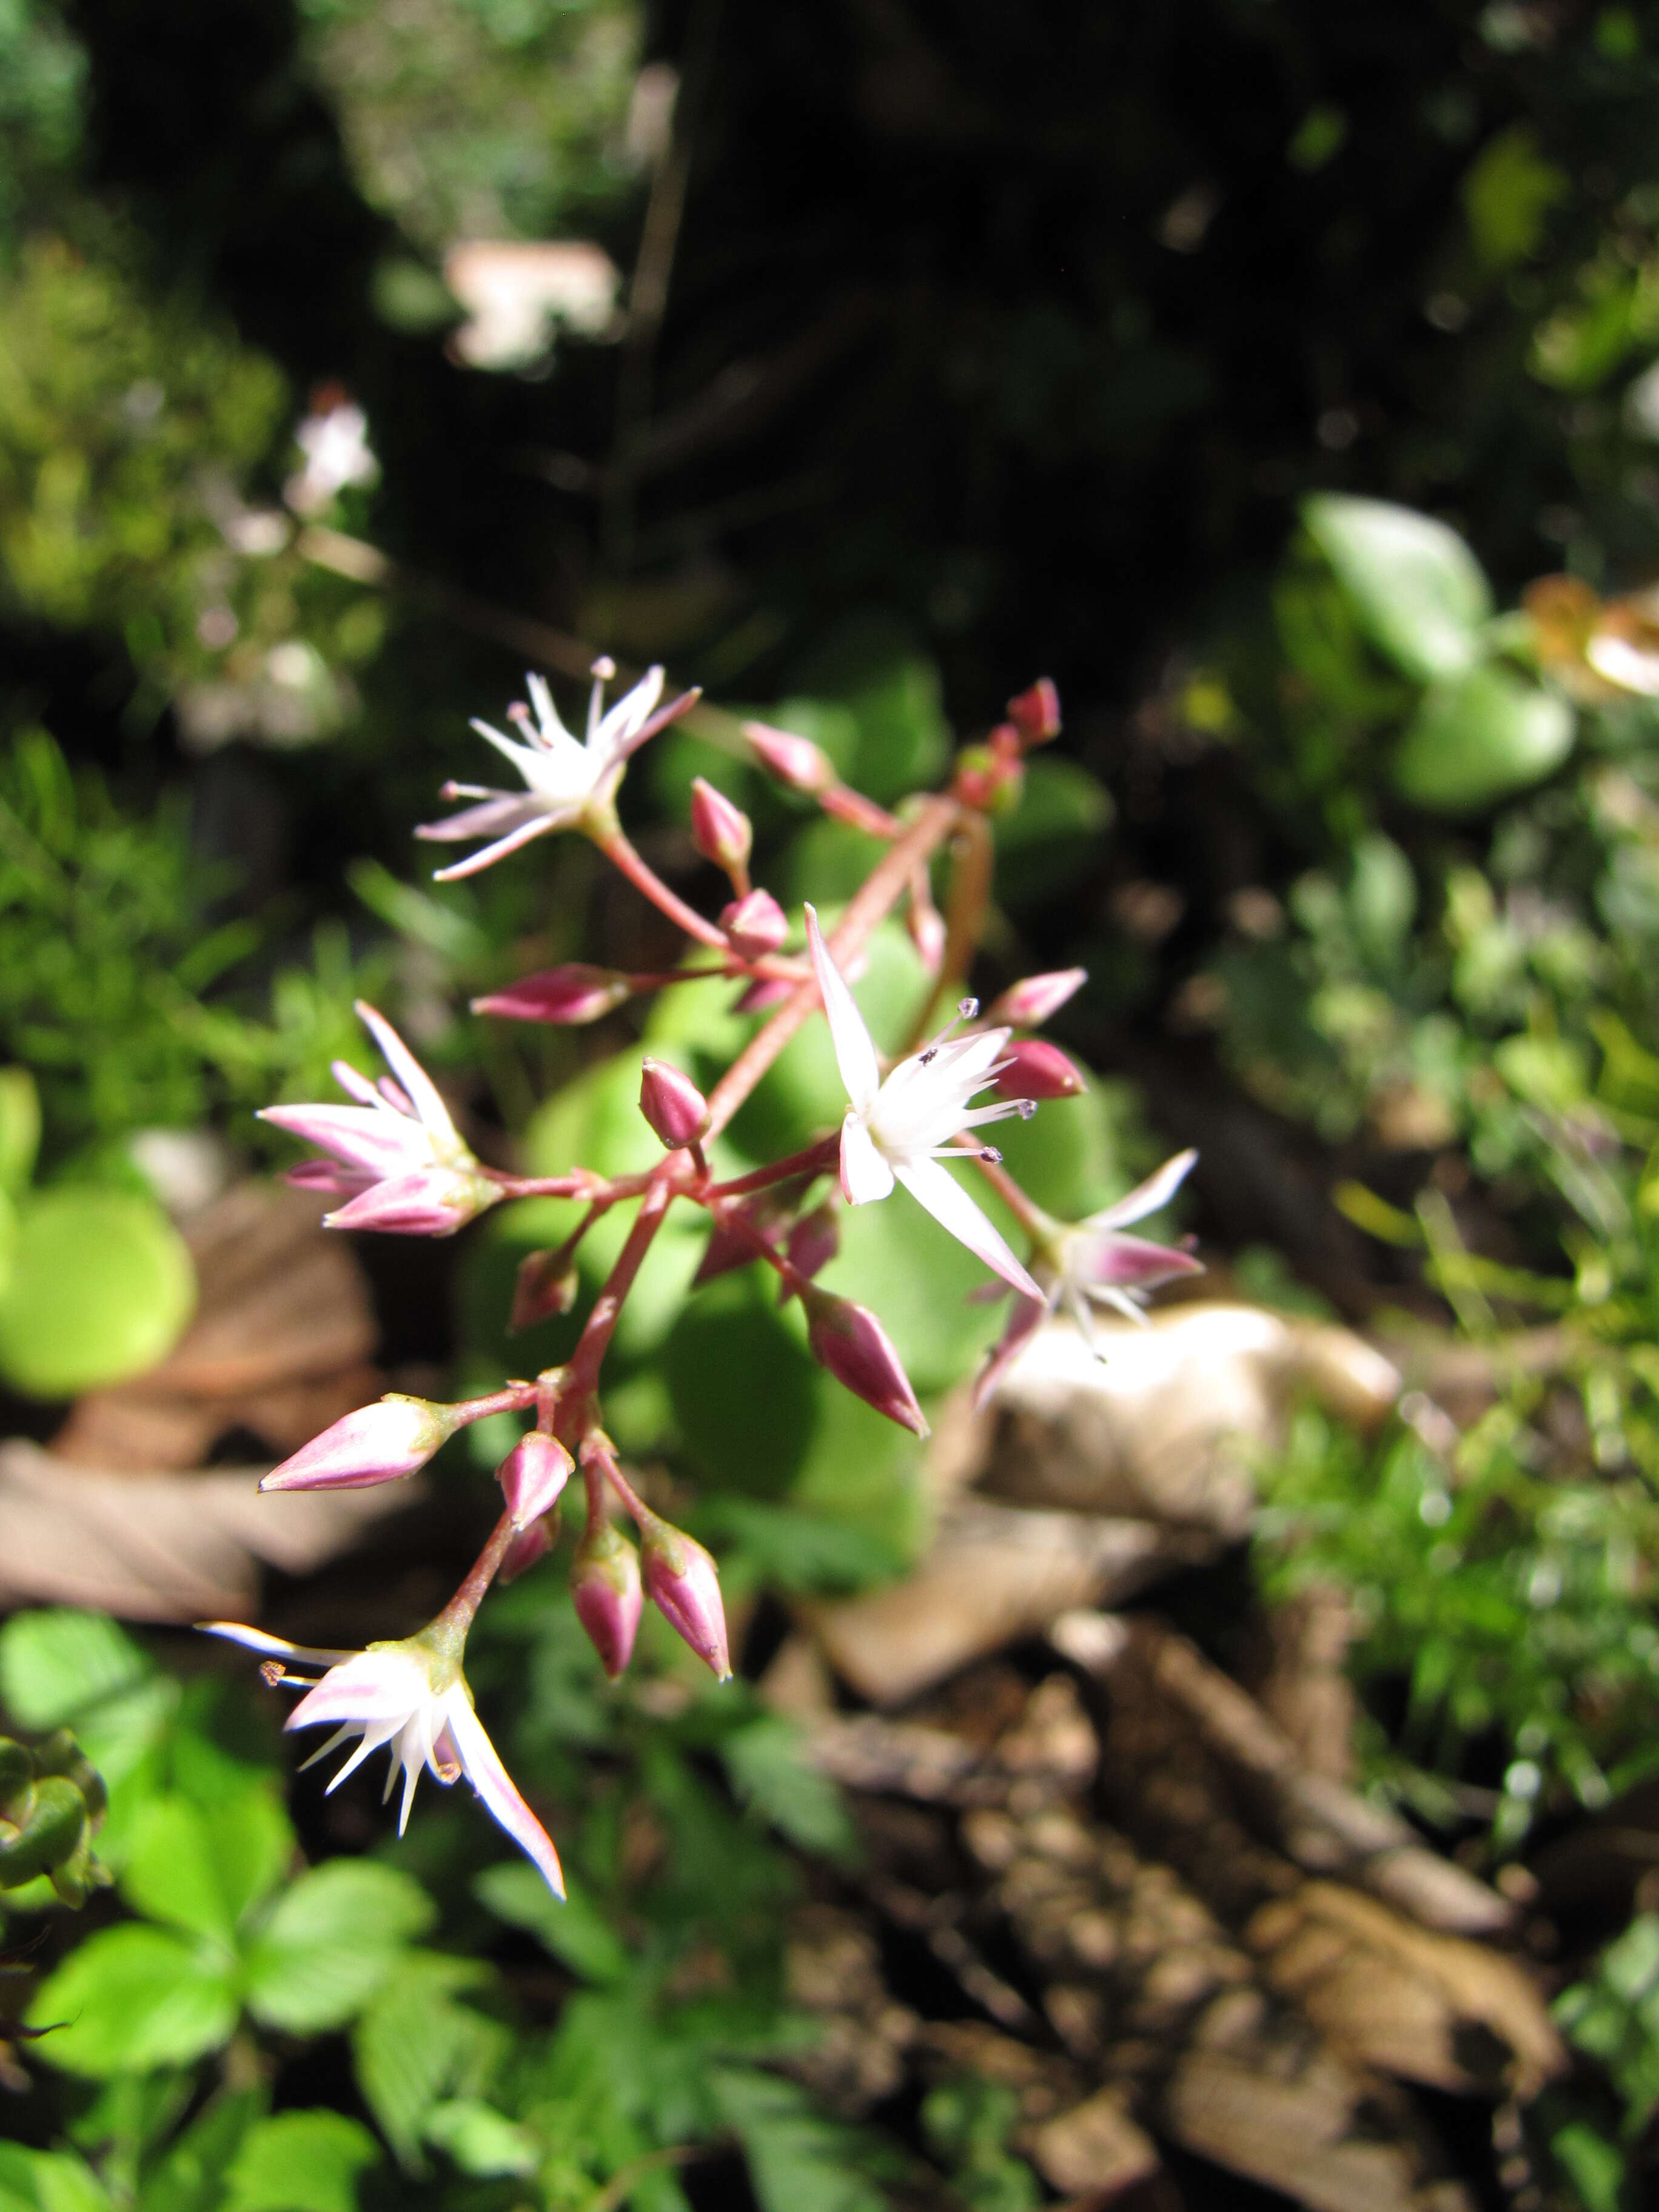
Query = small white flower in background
x=412 y=1697
x=398 y=1160
x=568 y=782
x=1082 y=1264
x=900 y=1130
x=334 y=438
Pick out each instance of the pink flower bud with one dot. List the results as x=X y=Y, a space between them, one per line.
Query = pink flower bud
x=721 y=832
x=858 y=1352
x=546 y=1283
x=672 y=1104
x=764 y=992
x=381 y=1443
x=794 y=761
x=1036 y=1069
x=988 y=778
x=529 y=1545
x=814 y=1241
x=1036 y=713
x=569 y=995
x=754 y=924
x=927 y=933
x=684 y=1586
x=604 y=1589
x=1028 y=1004
x=531 y=1476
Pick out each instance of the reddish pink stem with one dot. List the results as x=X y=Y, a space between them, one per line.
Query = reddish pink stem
x=583 y=1370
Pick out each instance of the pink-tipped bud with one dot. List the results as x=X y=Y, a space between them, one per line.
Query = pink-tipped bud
x=756 y=924
x=794 y=761
x=684 y=1586
x=764 y=992
x=531 y=1476
x=546 y=1283
x=1029 y=1003
x=813 y=1242
x=381 y=1443
x=728 y=1248
x=858 y=1352
x=721 y=832
x=988 y=778
x=605 y=1590
x=1037 y=1069
x=569 y=995
x=927 y=933
x=672 y=1104
x=1036 y=713
x=529 y=1544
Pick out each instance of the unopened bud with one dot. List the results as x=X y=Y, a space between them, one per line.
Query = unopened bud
x=858 y=1352
x=721 y=832
x=1036 y=713
x=756 y=924
x=546 y=1283
x=672 y=1104
x=432 y=1201
x=1029 y=1003
x=1036 y=1069
x=813 y=1242
x=684 y=1583
x=569 y=995
x=531 y=1476
x=380 y=1443
x=529 y=1545
x=794 y=761
x=604 y=1589
x=987 y=779
x=765 y=991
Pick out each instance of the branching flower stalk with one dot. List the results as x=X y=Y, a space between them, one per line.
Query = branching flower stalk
x=395 y=1156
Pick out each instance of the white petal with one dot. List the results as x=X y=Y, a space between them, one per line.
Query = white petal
x=1147 y=1197
x=536 y=825
x=501 y=812
x=257 y=1640
x=865 y=1174
x=932 y=1185
x=524 y=758
x=433 y=1114
x=855 y=1056
x=483 y=1770
x=626 y=716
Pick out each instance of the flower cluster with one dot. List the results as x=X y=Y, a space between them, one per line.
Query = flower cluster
x=396 y=1159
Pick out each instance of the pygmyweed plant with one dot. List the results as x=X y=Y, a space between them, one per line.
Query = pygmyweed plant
x=397 y=1160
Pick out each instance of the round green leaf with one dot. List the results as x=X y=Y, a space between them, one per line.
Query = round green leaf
x=1479 y=738
x=101 y=1287
x=1415 y=585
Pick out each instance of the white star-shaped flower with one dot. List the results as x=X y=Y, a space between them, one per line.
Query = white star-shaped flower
x=569 y=782
x=899 y=1131
x=413 y=1697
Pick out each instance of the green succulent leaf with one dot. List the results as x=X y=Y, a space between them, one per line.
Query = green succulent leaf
x=100 y=1287
x=1416 y=587
x=1480 y=737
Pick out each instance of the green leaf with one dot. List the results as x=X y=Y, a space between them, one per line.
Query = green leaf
x=190 y=2176
x=47 y=2181
x=799 y=2161
x=480 y=2140
x=55 y=1665
x=1596 y=2168
x=199 y=1869
x=414 y=2045
x=1508 y=193
x=20 y=1129
x=100 y=1288
x=575 y=1932
x=765 y=1762
x=1417 y=589
x=1479 y=738
x=132 y=1998
x=330 y=1942
x=300 y=2162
